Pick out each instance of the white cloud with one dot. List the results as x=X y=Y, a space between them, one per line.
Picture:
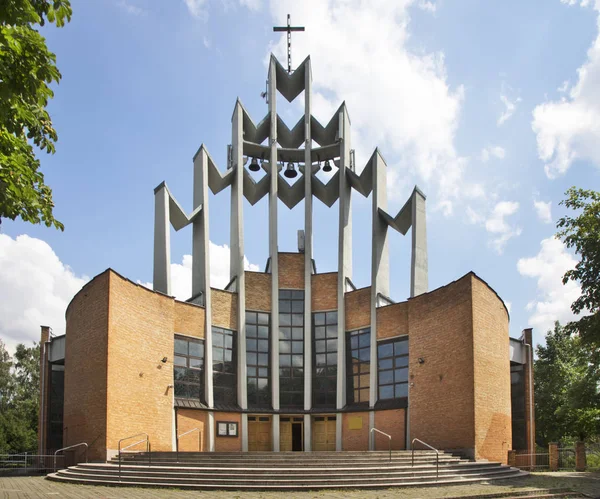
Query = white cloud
x=251 y=4
x=198 y=8
x=569 y=129
x=35 y=289
x=543 y=211
x=554 y=299
x=564 y=87
x=134 y=10
x=474 y=217
x=492 y=151
x=399 y=100
x=181 y=273
x=499 y=227
x=427 y=5
x=510 y=107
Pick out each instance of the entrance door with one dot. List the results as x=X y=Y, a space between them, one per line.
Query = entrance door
x=259 y=433
x=324 y=433
x=291 y=433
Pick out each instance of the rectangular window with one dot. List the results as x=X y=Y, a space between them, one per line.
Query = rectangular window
x=224 y=361
x=188 y=368
x=325 y=325
x=392 y=357
x=291 y=348
x=257 y=355
x=358 y=355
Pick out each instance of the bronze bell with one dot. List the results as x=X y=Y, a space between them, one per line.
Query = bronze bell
x=254 y=166
x=290 y=171
x=327 y=167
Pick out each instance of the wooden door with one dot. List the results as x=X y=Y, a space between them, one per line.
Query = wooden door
x=324 y=433
x=259 y=433
x=285 y=434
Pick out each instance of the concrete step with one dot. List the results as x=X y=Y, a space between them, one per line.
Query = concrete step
x=71 y=477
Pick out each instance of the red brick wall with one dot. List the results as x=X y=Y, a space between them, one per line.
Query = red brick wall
x=442 y=394
x=355 y=439
x=493 y=436
x=324 y=291
x=390 y=422
x=189 y=319
x=358 y=308
x=140 y=335
x=86 y=367
x=258 y=291
x=188 y=419
x=392 y=320
x=228 y=444
x=291 y=270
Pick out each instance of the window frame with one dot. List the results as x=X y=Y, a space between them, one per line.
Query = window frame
x=331 y=391
x=257 y=403
x=350 y=375
x=296 y=372
x=396 y=366
x=219 y=387
x=201 y=384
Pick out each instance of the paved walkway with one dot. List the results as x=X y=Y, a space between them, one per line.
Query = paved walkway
x=38 y=487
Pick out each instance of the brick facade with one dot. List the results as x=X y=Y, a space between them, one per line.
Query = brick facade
x=118 y=333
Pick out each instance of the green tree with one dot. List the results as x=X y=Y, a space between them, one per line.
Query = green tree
x=567 y=403
x=27 y=69
x=19 y=399
x=582 y=232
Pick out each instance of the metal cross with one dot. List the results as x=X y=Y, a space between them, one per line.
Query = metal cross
x=289 y=30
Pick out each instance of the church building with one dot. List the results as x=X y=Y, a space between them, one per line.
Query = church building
x=288 y=359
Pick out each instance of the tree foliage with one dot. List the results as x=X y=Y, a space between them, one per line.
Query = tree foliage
x=582 y=232
x=567 y=402
x=19 y=399
x=27 y=69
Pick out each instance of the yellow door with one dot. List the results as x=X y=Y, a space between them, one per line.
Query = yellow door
x=285 y=434
x=324 y=433
x=259 y=433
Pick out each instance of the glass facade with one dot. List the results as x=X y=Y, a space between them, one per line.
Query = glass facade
x=188 y=369
x=392 y=358
x=257 y=359
x=325 y=349
x=291 y=348
x=358 y=354
x=224 y=361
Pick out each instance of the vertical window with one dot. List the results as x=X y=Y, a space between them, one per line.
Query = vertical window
x=392 y=357
x=358 y=355
x=224 y=372
x=291 y=348
x=257 y=355
x=325 y=349
x=188 y=369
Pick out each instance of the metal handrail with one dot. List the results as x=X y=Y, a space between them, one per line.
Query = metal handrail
x=147 y=440
x=389 y=440
x=70 y=447
x=199 y=430
x=437 y=455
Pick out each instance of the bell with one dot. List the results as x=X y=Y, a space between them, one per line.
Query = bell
x=327 y=167
x=290 y=171
x=254 y=166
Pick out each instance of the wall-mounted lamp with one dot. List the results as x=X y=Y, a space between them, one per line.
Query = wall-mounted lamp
x=164 y=360
x=421 y=360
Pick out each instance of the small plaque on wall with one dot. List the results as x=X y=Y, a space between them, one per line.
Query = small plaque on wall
x=227 y=429
x=355 y=422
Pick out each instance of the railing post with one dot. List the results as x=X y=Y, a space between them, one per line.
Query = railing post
x=553 y=456
x=580 y=460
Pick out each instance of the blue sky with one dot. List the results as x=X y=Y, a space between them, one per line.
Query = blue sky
x=490 y=107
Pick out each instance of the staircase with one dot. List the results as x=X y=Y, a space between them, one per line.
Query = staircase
x=285 y=470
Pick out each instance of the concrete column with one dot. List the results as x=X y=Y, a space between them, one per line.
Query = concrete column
x=211 y=432
x=338 y=432
x=380 y=261
x=419 y=280
x=527 y=338
x=236 y=256
x=273 y=251
x=371 y=434
x=244 y=432
x=580 y=459
x=344 y=262
x=308 y=256
x=161 y=279
x=553 y=456
x=201 y=273
x=44 y=390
